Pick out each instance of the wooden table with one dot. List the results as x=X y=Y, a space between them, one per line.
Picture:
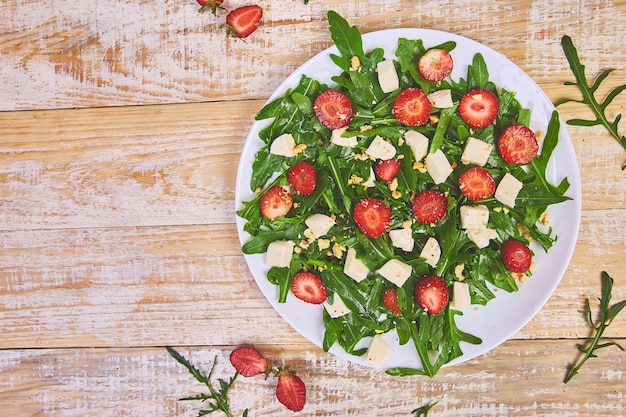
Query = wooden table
x=121 y=128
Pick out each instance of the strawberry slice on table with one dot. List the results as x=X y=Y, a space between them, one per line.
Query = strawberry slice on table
x=435 y=65
x=390 y=299
x=303 y=178
x=387 y=170
x=431 y=292
x=412 y=107
x=516 y=256
x=430 y=206
x=479 y=108
x=477 y=184
x=333 y=109
x=244 y=20
x=291 y=391
x=248 y=361
x=372 y=216
x=517 y=144
x=308 y=287
x=276 y=202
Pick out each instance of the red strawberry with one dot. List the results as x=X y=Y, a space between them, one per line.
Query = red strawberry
x=290 y=391
x=308 y=287
x=387 y=169
x=276 y=202
x=412 y=107
x=477 y=184
x=390 y=299
x=430 y=206
x=516 y=256
x=213 y=5
x=518 y=144
x=435 y=65
x=372 y=216
x=248 y=361
x=302 y=178
x=478 y=108
x=431 y=292
x=242 y=21
x=333 y=109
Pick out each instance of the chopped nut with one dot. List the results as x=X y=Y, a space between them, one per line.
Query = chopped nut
x=544 y=219
x=458 y=271
x=355 y=64
x=258 y=190
x=299 y=148
x=365 y=128
x=433 y=119
x=354 y=179
x=420 y=166
x=396 y=194
x=323 y=244
x=393 y=185
x=338 y=250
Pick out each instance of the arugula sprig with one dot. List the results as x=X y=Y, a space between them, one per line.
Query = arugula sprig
x=607 y=315
x=423 y=410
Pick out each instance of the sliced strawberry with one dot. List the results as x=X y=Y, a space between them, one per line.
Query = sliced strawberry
x=430 y=206
x=435 y=65
x=372 y=216
x=291 y=391
x=248 y=361
x=303 y=178
x=276 y=202
x=390 y=299
x=333 y=109
x=412 y=107
x=516 y=256
x=518 y=144
x=431 y=292
x=477 y=184
x=478 y=108
x=387 y=169
x=212 y=5
x=242 y=21
x=308 y=287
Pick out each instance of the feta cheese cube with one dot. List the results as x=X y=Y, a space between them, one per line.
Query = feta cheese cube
x=402 y=238
x=474 y=217
x=319 y=224
x=431 y=252
x=337 y=308
x=441 y=98
x=418 y=144
x=507 y=190
x=337 y=139
x=395 y=271
x=461 y=298
x=377 y=351
x=438 y=166
x=355 y=268
x=283 y=145
x=481 y=237
x=381 y=149
x=387 y=76
x=476 y=152
x=279 y=253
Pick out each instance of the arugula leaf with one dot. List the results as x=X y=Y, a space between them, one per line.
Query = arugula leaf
x=347 y=39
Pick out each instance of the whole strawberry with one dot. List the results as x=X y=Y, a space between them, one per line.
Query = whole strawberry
x=212 y=5
x=290 y=391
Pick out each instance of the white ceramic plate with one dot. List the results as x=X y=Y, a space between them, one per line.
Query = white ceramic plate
x=507 y=313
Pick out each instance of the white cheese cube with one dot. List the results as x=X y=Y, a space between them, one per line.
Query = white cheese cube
x=337 y=139
x=355 y=268
x=418 y=144
x=461 y=298
x=431 y=252
x=378 y=351
x=279 y=253
x=337 y=308
x=402 y=238
x=441 y=99
x=387 y=76
x=438 y=166
x=481 y=237
x=283 y=145
x=507 y=190
x=319 y=224
x=395 y=271
x=476 y=152
x=381 y=149
x=474 y=217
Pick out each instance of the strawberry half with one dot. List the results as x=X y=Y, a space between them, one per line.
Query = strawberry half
x=430 y=206
x=248 y=361
x=276 y=202
x=390 y=299
x=431 y=292
x=242 y=21
x=308 y=287
x=387 y=170
x=479 y=108
x=412 y=107
x=477 y=184
x=516 y=256
x=291 y=391
x=333 y=109
x=435 y=65
x=518 y=144
x=303 y=178
x=372 y=216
